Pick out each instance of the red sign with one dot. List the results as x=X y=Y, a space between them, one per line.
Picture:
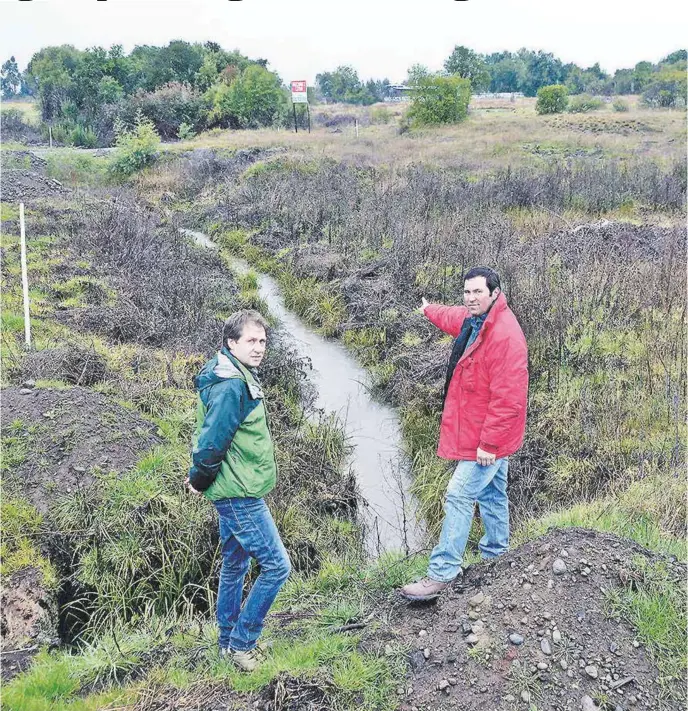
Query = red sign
x=298 y=87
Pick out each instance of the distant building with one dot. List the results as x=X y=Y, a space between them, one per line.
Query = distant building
x=398 y=92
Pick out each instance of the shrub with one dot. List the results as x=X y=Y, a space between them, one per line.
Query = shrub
x=135 y=149
x=380 y=114
x=552 y=99
x=440 y=100
x=667 y=89
x=168 y=108
x=620 y=105
x=185 y=132
x=583 y=103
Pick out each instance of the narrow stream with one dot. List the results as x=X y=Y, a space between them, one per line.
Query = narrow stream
x=378 y=460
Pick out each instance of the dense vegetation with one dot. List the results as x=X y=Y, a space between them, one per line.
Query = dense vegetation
x=185 y=88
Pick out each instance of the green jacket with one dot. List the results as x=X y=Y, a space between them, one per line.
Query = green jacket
x=233 y=454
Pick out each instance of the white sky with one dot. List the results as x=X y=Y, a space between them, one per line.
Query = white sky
x=380 y=38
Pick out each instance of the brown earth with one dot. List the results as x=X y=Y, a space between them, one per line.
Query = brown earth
x=70 y=432
x=28 y=619
x=463 y=657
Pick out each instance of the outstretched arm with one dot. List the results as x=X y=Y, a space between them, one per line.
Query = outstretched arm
x=447 y=318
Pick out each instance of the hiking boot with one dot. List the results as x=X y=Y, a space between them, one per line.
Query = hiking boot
x=425 y=589
x=246 y=661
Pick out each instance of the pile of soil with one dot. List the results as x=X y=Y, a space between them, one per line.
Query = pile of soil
x=26 y=185
x=530 y=629
x=69 y=432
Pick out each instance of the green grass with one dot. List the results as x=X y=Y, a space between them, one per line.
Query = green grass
x=645 y=511
x=656 y=607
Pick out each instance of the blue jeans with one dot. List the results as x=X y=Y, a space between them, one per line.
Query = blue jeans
x=472 y=482
x=247 y=531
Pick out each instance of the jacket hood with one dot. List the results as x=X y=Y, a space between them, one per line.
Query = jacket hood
x=222 y=367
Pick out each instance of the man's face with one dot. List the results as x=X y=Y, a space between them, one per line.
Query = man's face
x=477 y=297
x=250 y=348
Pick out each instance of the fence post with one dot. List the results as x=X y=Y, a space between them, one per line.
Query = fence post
x=25 y=277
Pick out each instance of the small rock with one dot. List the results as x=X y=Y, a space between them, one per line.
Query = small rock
x=525 y=695
x=547 y=615
x=388 y=650
x=426 y=653
x=509 y=698
x=636 y=644
x=466 y=627
x=400 y=691
x=473 y=615
x=472 y=638
x=591 y=671
x=29 y=384
x=452 y=627
x=416 y=659
x=563 y=664
x=542 y=666
x=556 y=636
x=25 y=391
x=477 y=599
x=545 y=646
x=444 y=684
x=559 y=567
x=613 y=647
x=587 y=704
x=453 y=681
x=516 y=639
x=423 y=633
x=527 y=587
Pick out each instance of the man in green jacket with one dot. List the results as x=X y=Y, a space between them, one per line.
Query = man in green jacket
x=234 y=467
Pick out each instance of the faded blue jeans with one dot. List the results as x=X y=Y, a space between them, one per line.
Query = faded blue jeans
x=472 y=482
x=247 y=531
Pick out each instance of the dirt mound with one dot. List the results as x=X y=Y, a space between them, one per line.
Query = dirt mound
x=530 y=629
x=73 y=364
x=25 y=185
x=55 y=439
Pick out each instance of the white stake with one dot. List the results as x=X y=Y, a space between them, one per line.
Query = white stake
x=356 y=127
x=25 y=278
x=50 y=134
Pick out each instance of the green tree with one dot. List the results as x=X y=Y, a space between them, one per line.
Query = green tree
x=415 y=73
x=440 y=100
x=51 y=70
x=507 y=72
x=343 y=85
x=680 y=55
x=552 y=99
x=542 y=69
x=667 y=87
x=469 y=65
x=255 y=98
x=10 y=79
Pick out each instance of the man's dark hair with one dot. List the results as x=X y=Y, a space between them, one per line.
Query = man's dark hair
x=491 y=277
x=234 y=325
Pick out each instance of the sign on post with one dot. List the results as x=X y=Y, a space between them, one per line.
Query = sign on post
x=299 y=95
x=299 y=92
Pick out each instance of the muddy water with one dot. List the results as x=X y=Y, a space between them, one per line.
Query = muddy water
x=378 y=460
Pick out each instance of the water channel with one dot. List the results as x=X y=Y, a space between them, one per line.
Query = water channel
x=378 y=460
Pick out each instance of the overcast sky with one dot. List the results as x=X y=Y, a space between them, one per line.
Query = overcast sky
x=380 y=38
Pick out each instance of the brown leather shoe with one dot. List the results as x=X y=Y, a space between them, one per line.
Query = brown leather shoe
x=425 y=589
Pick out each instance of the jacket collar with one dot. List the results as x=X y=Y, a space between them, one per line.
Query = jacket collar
x=497 y=308
x=228 y=366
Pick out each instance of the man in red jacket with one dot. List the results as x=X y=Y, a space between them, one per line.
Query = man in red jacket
x=483 y=422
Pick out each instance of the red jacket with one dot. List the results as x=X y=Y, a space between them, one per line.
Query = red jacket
x=487 y=396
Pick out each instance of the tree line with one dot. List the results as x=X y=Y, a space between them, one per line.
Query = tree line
x=183 y=87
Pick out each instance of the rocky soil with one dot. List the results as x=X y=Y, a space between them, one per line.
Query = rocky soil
x=530 y=630
x=68 y=433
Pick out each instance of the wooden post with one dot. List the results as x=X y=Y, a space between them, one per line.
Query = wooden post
x=25 y=277
x=296 y=130
x=308 y=109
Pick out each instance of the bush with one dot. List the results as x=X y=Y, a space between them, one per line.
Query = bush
x=552 y=99
x=667 y=89
x=620 y=105
x=583 y=103
x=168 y=108
x=439 y=100
x=380 y=114
x=185 y=132
x=135 y=149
